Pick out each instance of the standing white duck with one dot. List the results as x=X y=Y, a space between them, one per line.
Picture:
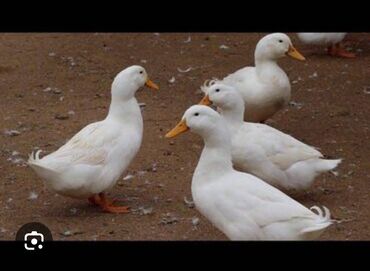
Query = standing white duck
x=275 y=157
x=241 y=205
x=91 y=162
x=265 y=88
x=332 y=40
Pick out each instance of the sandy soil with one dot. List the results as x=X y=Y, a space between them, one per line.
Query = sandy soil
x=331 y=112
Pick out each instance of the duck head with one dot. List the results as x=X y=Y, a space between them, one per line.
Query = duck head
x=128 y=81
x=223 y=96
x=200 y=119
x=275 y=46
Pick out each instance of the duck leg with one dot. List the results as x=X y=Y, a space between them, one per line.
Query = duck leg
x=94 y=200
x=331 y=50
x=109 y=207
x=338 y=50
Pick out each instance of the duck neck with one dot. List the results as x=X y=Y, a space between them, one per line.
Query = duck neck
x=267 y=68
x=266 y=64
x=216 y=155
x=234 y=115
x=124 y=111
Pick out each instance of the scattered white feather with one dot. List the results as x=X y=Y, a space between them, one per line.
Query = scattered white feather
x=145 y=211
x=335 y=173
x=195 y=221
x=73 y=211
x=188 y=40
x=313 y=75
x=184 y=71
x=172 y=80
x=33 y=195
x=223 y=46
x=11 y=132
x=48 y=89
x=366 y=90
x=128 y=177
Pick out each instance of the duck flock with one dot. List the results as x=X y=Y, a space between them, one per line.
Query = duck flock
x=244 y=164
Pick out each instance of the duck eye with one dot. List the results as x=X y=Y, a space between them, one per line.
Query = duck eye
x=196 y=114
x=280 y=41
x=217 y=90
x=141 y=72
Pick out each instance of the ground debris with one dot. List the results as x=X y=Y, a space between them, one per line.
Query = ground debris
x=296 y=104
x=128 y=177
x=60 y=116
x=189 y=203
x=11 y=132
x=143 y=210
x=195 y=221
x=184 y=70
x=172 y=80
x=168 y=218
x=69 y=233
x=33 y=196
x=187 y=40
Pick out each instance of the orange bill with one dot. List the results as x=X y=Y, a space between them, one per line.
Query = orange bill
x=205 y=101
x=180 y=128
x=150 y=84
x=292 y=52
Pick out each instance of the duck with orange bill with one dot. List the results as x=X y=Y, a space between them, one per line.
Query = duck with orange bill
x=91 y=162
x=277 y=158
x=265 y=88
x=239 y=204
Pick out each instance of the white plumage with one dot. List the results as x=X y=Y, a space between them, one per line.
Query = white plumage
x=241 y=205
x=265 y=88
x=321 y=38
x=92 y=160
x=333 y=41
x=264 y=151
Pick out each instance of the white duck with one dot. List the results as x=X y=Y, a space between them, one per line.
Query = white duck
x=91 y=162
x=275 y=157
x=265 y=88
x=241 y=205
x=332 y=40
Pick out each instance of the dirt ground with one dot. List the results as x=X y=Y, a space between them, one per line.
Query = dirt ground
x=52 y=85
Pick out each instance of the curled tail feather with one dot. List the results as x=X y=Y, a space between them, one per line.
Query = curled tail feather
x=323 y=220
x=34 y=157
x=208 y=83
